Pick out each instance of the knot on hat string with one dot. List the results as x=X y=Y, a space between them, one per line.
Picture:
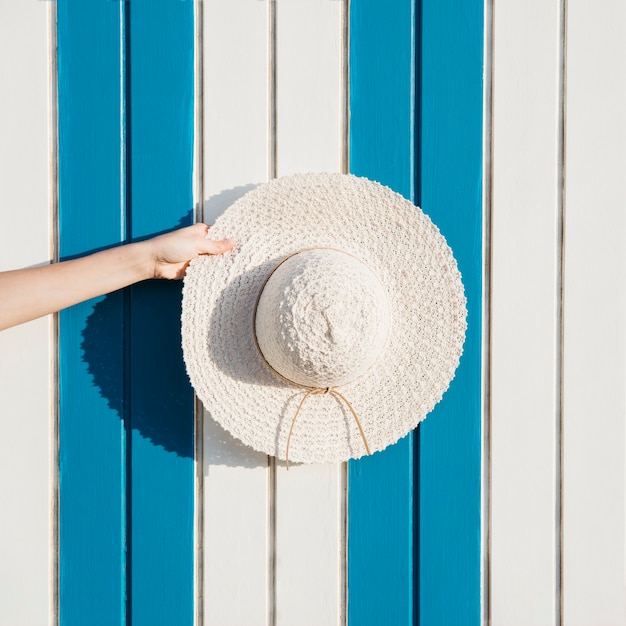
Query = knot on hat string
x=310 y=391
x=323 y=391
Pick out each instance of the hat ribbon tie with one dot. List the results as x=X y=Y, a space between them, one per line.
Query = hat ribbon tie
x=317 y=392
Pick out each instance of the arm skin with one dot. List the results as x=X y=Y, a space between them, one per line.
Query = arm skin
x=29 y=293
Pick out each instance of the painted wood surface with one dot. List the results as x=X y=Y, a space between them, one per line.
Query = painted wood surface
x=381 y=496
x=159 y=144
x=309 y=498
x=237 y=509
x=450 y=183
x=594 y=309
x=92 y=516
x=422 y=135
x=126 y=408
x=26 y=352
x=525 y=295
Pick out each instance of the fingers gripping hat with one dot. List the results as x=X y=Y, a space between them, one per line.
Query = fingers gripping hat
x=334 y=326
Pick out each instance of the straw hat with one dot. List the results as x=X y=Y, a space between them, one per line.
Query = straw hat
x=334 y=326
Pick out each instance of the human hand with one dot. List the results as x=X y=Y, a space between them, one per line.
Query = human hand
x=170 y=254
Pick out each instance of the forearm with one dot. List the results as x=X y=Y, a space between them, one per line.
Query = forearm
x=30 y=293
x=26 y=294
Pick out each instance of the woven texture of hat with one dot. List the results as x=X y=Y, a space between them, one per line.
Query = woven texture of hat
x=394 y=240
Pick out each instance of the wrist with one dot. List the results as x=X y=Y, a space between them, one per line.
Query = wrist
x=135 y=260
x=145 y=260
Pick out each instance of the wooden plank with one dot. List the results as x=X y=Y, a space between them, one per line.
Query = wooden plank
x=594 y=364
x=309 y=97
x=26 y=426
x=310 y=91
x=92 y=403
x=235 y=121
x=451 y=174
x=160 y=65
x=309 y=545
x=525 y=314
x=381 y=583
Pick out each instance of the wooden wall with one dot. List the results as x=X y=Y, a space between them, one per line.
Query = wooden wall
x=504 y=121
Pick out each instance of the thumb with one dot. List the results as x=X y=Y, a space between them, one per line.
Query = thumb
x=211 y=246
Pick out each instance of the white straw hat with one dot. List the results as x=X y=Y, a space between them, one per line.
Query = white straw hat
x=334 y=326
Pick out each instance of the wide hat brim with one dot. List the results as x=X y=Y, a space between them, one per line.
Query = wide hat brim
x=391 y=236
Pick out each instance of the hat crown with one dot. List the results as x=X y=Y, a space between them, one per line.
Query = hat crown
x=322 y=318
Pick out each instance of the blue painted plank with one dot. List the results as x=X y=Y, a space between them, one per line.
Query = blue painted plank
x=451 y=193
x=160 y=147
x=91 y=216
x=380 y=497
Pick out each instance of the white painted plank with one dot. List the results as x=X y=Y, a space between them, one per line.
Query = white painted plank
x=25 y=351
x=236 y=479
x=594 y=489
x=524 y=314
x=309 y=545
x=309 y=499
x=310 y=92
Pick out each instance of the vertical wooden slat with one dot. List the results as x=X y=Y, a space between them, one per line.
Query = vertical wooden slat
x=382 y=147
x=310 y=90
x=525 y=411
x=91 y=215
x=594 y=308
x=309 y=545
x=26 y=434
x=160 y=158
x=451 y=173
x=309 y=97
x=236 y=562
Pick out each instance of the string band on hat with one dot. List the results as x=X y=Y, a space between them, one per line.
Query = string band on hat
x=311 y=391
